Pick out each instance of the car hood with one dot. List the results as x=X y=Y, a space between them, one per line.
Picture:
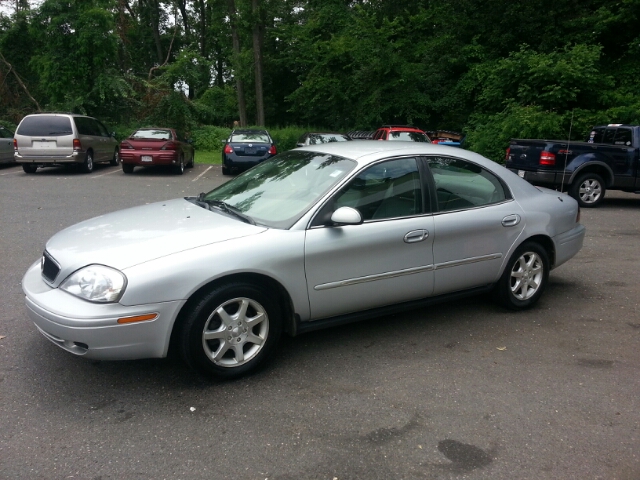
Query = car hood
x=140 y=234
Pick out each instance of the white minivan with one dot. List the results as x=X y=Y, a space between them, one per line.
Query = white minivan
x=47 y=139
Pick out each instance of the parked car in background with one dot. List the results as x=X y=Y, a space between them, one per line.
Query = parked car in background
x=314 y=237
x=446 y=137
x=47 y=139
x=6 y=145
x=608 y=159
x=361 y=134
x=245 y=148
x=317 y=138
x=403 y=133
x=148 y=147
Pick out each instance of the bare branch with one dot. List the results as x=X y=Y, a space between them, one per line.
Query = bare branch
x=24 y=87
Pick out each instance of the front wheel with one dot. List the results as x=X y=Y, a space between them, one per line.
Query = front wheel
x=524 y=278
x=588 y=190
x=231 y=331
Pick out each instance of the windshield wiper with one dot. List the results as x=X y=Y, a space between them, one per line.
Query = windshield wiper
x=231 y=210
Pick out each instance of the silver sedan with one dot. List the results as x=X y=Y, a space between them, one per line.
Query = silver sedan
x=314 y=237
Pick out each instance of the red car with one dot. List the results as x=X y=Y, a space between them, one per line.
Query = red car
x=156 y=146
x=403 y=133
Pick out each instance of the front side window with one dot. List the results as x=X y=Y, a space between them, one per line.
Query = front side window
x=461 y=184
x=388 y=189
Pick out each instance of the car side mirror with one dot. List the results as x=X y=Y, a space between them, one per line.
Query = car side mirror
x=346 y=216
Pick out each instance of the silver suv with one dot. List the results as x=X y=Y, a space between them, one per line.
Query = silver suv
x=46 y=139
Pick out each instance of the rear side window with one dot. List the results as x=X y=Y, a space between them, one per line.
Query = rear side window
x=87 y=126
x=623 y=137
x=4 y=133
x=45 y=126
x=461 y=184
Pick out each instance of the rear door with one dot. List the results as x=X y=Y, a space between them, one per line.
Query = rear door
x=476 y=224
x=45 y=136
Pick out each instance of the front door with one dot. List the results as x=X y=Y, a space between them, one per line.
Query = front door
x=385 y=260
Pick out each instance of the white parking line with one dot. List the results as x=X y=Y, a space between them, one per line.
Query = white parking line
x=14 y=172
x=201 y=174
x=108 y=173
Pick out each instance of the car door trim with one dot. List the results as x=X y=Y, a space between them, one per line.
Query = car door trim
x=467 y=261
x=373 y=278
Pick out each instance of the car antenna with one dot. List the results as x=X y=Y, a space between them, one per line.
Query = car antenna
x=566 y=154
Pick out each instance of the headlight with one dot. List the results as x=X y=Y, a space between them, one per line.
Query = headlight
x=96 y=283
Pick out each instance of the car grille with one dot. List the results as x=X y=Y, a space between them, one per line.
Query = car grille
x=50 y=268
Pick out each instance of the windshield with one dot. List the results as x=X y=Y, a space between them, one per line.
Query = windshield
x=152 y=134
x=250 y=137
x=279 y=191
x=409 y=137
x=316 y=139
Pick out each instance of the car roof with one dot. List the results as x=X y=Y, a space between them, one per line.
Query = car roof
x=369 y=151
x=407 y=128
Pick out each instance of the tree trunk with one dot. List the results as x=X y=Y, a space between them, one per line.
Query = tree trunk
x=242 y=106
x=257 y=59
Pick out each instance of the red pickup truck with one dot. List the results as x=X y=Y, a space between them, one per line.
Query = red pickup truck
x=608 y=159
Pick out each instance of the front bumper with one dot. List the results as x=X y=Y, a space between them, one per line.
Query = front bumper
x=92 y=330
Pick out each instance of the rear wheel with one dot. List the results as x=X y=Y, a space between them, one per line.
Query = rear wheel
x=525 y=277
x=29 y=168
x=588 y=190
x=116 y=158
x=127 y=168
x=192 y=163
x=87 y=166
x=231 y=331
x=226 y=170
x=179 y=169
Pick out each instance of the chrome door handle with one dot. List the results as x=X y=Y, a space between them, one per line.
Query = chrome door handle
x=511 y=220
x=416 y=236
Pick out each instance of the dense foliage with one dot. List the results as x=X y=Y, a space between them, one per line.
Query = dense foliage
x=493 y=68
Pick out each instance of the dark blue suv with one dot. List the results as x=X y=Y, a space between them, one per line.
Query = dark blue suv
x=245 y=148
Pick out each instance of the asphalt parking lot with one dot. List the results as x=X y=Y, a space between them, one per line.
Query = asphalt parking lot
x=464 y=390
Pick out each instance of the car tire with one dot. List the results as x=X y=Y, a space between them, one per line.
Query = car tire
x=588 y=190
x=29 y=168
x=226 y=170
x=179 y=169
x=524 y=278
x=231 y=331
x=127 y=168
x=116 y=158
x=192 y=163
x=87 y=166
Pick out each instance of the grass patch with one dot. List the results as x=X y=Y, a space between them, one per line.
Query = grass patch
x=209 y=158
